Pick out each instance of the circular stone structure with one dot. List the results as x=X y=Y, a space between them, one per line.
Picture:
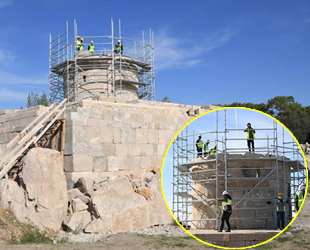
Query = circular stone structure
x=96 y=75
x=244 y=172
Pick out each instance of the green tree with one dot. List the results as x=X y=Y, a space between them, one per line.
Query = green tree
x=34 y=99
x=284 y=108
x=166 y=99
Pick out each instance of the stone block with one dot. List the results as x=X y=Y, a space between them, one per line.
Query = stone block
x=157 y=161
x=141 y=136
x=145 y=162
x=128 y=135
x=82 y=163
x=112 y=163
x=161 y=150
x=147 y=149
x=121 y=149
x=134 y=150
x=116 y=135
x=153 y=136
x=100 y=164
x=108 y=149
x=72 y=115
x=78 y=134
x=68 y=163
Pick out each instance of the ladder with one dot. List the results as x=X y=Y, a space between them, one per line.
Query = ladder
x=36 y=134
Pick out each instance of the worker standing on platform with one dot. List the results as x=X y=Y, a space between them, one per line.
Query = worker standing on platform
x=226 y=210
x=206 y=148
x=118 y=48
x=199 y=146
x=78 y=43
x=250 y=135
x=91 y=47
x=281 y=211
x=82 y=44
x=213 y=150
x=299 y=197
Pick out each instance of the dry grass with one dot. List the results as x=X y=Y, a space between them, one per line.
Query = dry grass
x=15 y=232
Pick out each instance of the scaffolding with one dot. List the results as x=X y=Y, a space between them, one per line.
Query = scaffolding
x=134 y=67
x=186 y=195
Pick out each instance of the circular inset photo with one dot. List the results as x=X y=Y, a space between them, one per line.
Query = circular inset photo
x=234 y=178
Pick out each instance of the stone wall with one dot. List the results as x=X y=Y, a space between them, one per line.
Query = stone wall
x=245 y=178
x=111 y=136
x=14 y=121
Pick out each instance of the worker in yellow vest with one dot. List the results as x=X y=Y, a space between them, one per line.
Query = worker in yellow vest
x=299 y=197
x=250 y=136
x=281 y=210
x=82 y=44
x=226 y=210
x=213 y=150
x=78 y=43
x=91 y=47
x=118 y=48
x=199 y=146
x=206 y=148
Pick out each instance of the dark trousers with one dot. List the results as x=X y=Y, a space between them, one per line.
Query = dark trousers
x=199 y=150
x=281 y=216
x=225 y=217
x=251 y=142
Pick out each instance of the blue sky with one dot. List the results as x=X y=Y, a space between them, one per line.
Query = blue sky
x=234 y=119
x=245 y=51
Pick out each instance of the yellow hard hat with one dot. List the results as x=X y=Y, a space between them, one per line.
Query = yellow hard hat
x=208 y=140
x=82 y=39
x=91 y=41
x=280 y=194
x=215 y=146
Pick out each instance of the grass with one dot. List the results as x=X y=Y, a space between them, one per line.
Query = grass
x=266 y=246
x=161 y=241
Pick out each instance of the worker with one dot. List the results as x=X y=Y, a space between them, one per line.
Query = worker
x=206 y=148
x=250 y=135
x=118 y=48
x=299 y=197
x=213 y=150
x=91 y=47
x=82 y=44
x=281 y=210
x=78 y=43
x=226 y=210
x=199 y=146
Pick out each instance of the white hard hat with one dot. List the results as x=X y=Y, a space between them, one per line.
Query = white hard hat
x=199 y=135
x=301 y=187
x=225 y=192
x=119 y=41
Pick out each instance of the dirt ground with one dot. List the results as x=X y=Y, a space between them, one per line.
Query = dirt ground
x=298 y=240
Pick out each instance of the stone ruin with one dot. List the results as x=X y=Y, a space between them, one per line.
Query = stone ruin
x=243 y=217
x=108 y=179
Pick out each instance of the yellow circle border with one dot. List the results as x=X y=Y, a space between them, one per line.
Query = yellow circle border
x=210 y=243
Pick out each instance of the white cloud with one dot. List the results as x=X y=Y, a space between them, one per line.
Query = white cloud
x=8 y=95
x=8 y=78
x=5 y=3
x=184 y=53
x=7 y=57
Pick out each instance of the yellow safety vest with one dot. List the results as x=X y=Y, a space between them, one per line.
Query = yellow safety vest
x=213 y=151
x=200 y=144
x=78 y=44
x=91 y=48
x=229 y=202
x=300 y=199
x=81 y=47
x=248 y=135
x=278 y=202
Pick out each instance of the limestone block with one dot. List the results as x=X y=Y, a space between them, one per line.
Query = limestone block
x=153 y=136
x=100 y=163
x=75 y=193
x=147 y=176
x=151 y=125
x=82 y=162
x=72 y=115
x=161 y=150
x=78 y=134
x=78 y=221
x=78 y=205
x=145 y=162
x=85 y=185
x=141 y=136
x=116 y=135
x=147 y=149
x=108 y=149
x=112 y=163
x=134 y=149
x=128 y=135
x=98 y=133
x=156 y=161
x=68 y=163
x=122 y=149
x=137 y=118
x=125 y=162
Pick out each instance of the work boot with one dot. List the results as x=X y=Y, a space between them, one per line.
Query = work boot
x=227 y=231
x=220 y=231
